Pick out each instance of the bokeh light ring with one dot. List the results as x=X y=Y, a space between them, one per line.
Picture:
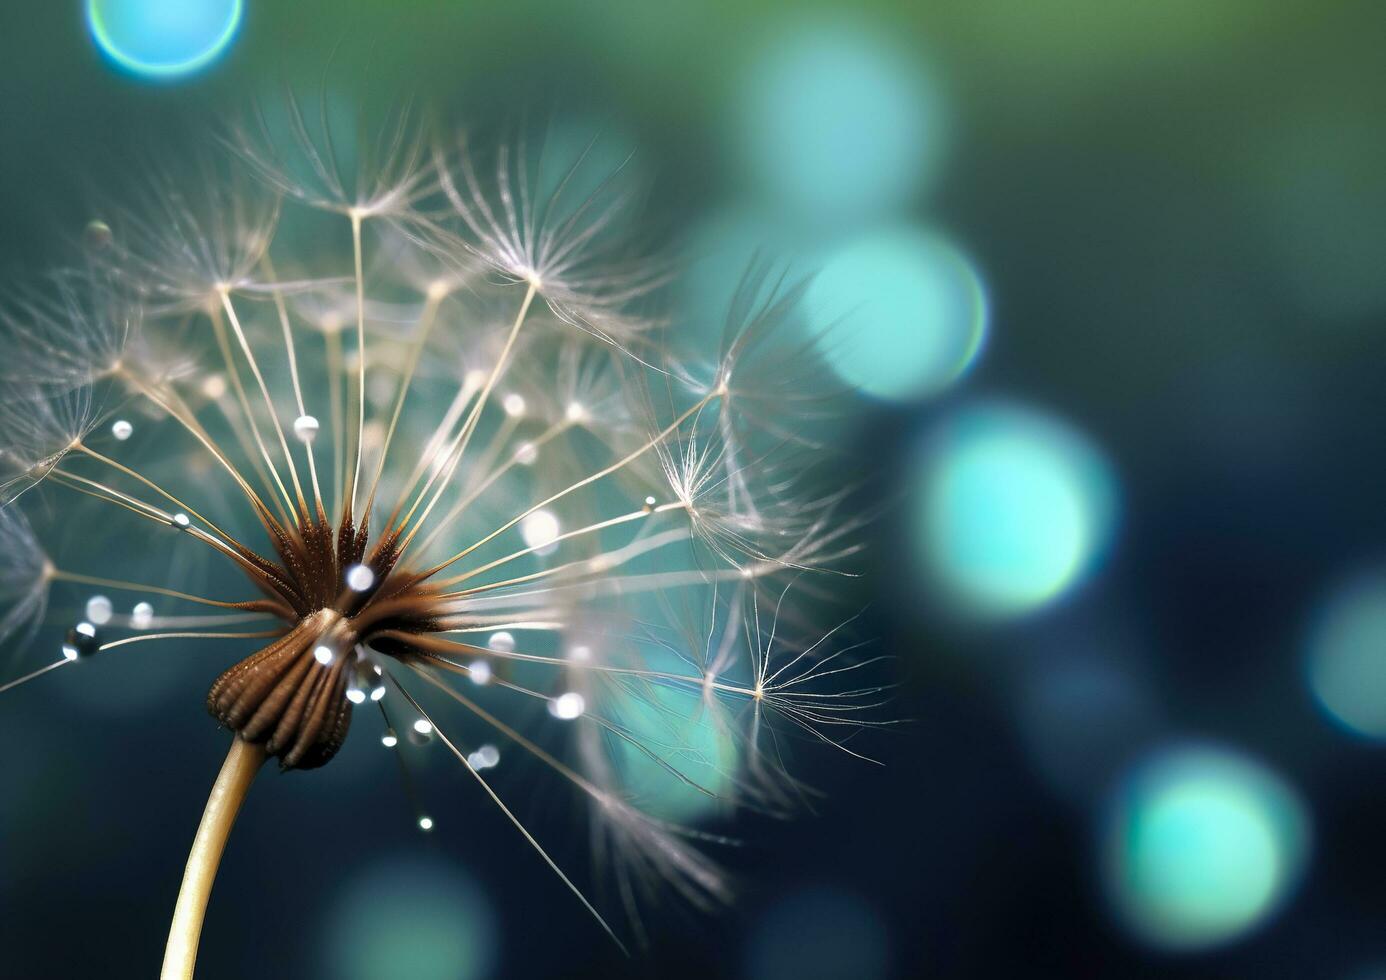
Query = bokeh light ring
x=1347 y=655
x=163 y=39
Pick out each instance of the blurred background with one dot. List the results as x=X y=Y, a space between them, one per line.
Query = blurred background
x=1109 y=279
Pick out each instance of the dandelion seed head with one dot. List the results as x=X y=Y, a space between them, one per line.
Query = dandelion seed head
x=370 y=449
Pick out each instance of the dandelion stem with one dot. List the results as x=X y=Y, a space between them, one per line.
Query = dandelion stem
x=269 y=404
x=333 y=343
x=19 y=681
x=471 y=495
x=179 y=411
x=224 y=802
x=219 y=331
x=293 y=374
x=459 y=444
x=111 y=583
x=585 y=481
x=416 y=350
x=83 y=448
x=360 y=355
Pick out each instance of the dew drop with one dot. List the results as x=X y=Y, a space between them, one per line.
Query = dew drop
x=540 y=531
x=99 y=610
x=142 y=616
x=480 y=672
x=306 y=428
x=80 y=642
x=568 y=706
x=122 y=429
x=97 y=235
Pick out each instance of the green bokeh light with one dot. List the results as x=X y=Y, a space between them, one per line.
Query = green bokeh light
x=1203 y=846
x=691 y=737
x=1014 y=508
x=838 y=123
x=410 y=918
x=900 y=314
x=1347 y=656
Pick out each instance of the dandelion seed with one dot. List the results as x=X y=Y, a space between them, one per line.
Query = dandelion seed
x=367 y=431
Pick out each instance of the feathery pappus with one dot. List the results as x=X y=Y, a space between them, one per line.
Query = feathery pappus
x=418 y=404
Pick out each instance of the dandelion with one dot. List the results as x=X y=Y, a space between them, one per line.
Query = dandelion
x=453 y=470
